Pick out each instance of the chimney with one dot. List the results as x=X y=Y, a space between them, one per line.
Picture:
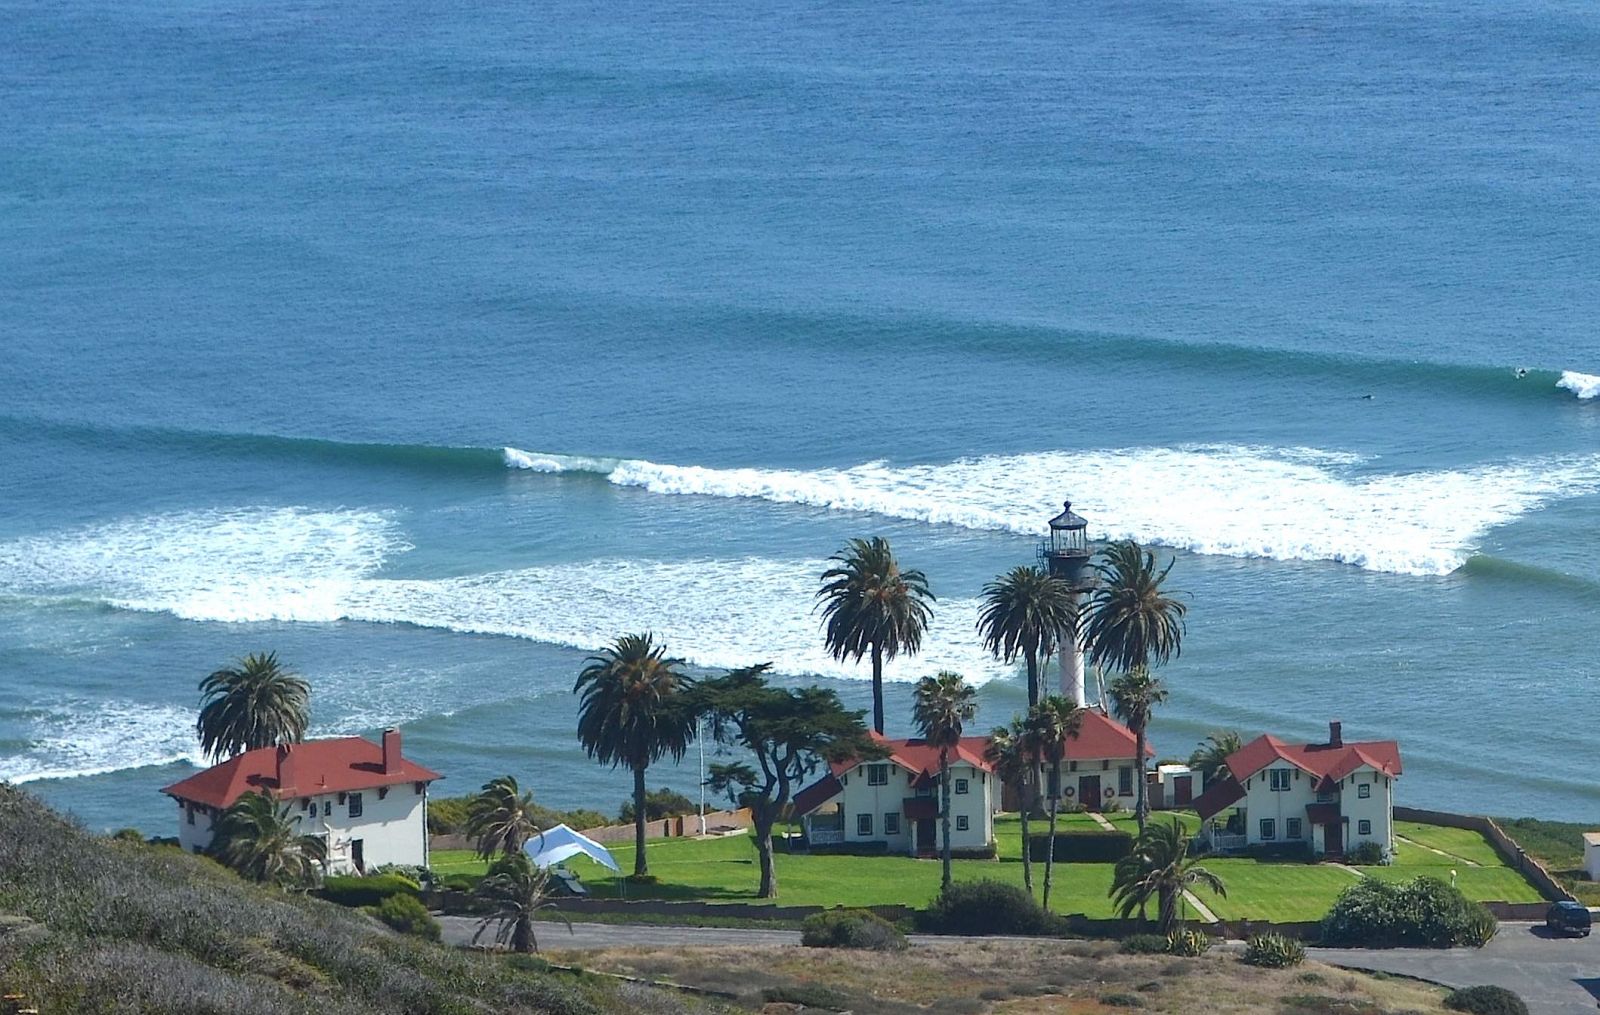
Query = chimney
x=1335 y=734
x=391 y=751
x=285 y=768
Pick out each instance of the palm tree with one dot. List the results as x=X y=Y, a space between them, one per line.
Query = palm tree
x=517 y=891
x=634 y=710
x=1211 y=757
x=870 y=606
x=942 y=707
x=501 y=817
x=1160 y=867
x=1027 y=612
x=1133 y=623
x=262 y=842
x=256 y=703
x=1134 y=696
x=1016 y=764
x=1049 y=724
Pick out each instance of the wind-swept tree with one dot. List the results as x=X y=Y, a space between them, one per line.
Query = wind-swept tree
x=1049 y=724
x=872 y=607
x=790 y=731
x=1027 y=612
x=500 y=818
x=254 y=703
x=634 y=710
x=261 y=841
x=516 y=892
x=1134 y=696
x=942 y=707
x=1133 y=622
x=1210 y=759
x=1159 y=867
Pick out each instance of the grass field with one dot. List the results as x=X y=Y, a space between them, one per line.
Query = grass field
x=1559 y=846
x=725 y=870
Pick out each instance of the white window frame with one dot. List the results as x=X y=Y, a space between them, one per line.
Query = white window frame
x=962 y=786
x=1278 y=780
x=355 y=806
x=1364 y=791
x=1269 y=829
x=1364 y=826
x=863 y=824
x=961 y=823
x=1292 y=829
x=877 y=775
x=891 y=823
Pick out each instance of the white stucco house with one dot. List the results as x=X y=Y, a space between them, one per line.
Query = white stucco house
x=367 y=800
x=1332 y=796
x=1591 y=855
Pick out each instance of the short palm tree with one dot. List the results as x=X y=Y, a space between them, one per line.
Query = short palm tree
x=1049 y=724
x=501 y=817
x=1210 y=759
x=1134 y=697
x=516 y=891
x=1027 y=612
x=1160 y=868
x=634 y=709
x=872 y=607
x=1133 y=622
x=254 y=703
x=942 y=707
x=261 y=841
x=1016 y=764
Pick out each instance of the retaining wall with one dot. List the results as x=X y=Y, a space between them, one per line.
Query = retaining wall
x=662 y=828
x=1504 y=844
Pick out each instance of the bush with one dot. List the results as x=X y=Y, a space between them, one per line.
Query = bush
x=658 y=804
x=411 y=872
x=1122 y=1000
x=1144 y=944
x=370 y=891
x=407 y=915
x=1486 y=1001
x=851 y=928
x=1097 y=845
x=1366 y=854
x=1421 y=913
x=1112 y=807
x=132 y=835
x=1274 y=951
x=807 y=995
x=987 y=907
x=448 y=815
x=1189 y=943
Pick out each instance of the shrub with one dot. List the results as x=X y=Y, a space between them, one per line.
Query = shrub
x=411 y=872
x=1366 y=854
x=407 y=915
x=1097 y=845
x=851 y=928
x=987 y=907
x=448 y=815
x=807 y=995
x=1120 y=1000
x=1274 y=951
x=1421 y=913
x=1144 y=944
x=1486 y=1001
x=370 y=891
x=1189 y=943
x=132 y=835
x=658 y=804
x=1480 y=927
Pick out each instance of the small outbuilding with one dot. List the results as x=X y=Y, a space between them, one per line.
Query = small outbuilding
x=1591 y=854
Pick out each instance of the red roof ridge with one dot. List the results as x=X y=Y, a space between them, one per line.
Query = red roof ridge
x=332 y=765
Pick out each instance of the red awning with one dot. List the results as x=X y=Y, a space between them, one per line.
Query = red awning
x=919 y=807
x=1322 y=814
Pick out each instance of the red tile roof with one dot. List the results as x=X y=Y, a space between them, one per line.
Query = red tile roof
x=817 y=794
x=317 y=766
x=1218 y=797
x=1324 y=761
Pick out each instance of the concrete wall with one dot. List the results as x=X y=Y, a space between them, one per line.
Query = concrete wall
x=1514 y=854
x=663 y=828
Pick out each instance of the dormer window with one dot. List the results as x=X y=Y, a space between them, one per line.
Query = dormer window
x=877 y=775
x=1278 y=780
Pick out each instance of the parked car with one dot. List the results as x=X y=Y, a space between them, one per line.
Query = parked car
x=1569 y=918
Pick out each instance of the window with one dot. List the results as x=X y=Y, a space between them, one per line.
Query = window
x=355 y=805
x=1125 y=781
x=1105 y=766
x=383 y=791
x=1291 y=828
x=327 y=808
x=1269 y=828
x=1364 y=790
x=863 y=824
x=1278 y=780
x=1072 y=766
x=891 y=824
x=191 y=815
x=1363 y=828
x=877 y=775
x=961 y=785
x=961 y=822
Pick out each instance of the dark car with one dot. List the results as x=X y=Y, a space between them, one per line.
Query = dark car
x=1568 y=918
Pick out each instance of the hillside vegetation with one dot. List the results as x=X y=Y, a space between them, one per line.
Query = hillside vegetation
x=92 y=925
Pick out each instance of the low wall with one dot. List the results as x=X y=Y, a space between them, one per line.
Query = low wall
x=1504 y=844
x=662 y=828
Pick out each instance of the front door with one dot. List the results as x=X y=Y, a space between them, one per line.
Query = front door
x=927 y=836
x=1333 y=835
x=358 y=856
x=1182 y=790
x=1089 y=792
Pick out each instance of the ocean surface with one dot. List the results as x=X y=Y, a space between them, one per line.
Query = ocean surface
x=434 y=346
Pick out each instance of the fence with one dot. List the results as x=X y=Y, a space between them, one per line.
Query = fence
x=1507 y=847
x=661 y=828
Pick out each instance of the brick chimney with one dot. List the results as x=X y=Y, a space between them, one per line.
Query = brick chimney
x=391 y=751
x=285 y=768
x=1335 y=734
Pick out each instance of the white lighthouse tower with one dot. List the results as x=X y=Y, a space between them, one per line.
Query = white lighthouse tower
x=1066 y=556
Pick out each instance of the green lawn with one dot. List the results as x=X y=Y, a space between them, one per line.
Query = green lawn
x=725 y=870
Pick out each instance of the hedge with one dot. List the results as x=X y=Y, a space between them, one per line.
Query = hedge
x=370 y=891
x=1099 y=845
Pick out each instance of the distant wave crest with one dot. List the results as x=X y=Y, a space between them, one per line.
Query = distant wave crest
x=1585 y=386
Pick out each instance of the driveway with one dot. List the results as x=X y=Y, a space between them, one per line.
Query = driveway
x=1556 y=976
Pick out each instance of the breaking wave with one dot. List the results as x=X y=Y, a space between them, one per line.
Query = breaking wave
x=1585 y=386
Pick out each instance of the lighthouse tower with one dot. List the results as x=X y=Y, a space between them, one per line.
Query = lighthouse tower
x=1066 y=556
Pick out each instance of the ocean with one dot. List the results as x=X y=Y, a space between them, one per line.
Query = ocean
x=434 y=347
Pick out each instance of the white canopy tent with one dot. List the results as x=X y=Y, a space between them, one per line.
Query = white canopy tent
x=561 y=843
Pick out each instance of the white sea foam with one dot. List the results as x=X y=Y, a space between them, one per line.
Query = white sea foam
x=1284 y=504
x=1583 y=385
x=80 y=738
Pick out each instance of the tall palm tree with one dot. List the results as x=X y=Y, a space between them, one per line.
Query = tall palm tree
x=872 y=607
x=1211 y=757
x=261 y=841
x=1160 y=867
x=255 y=703
x=634 y=710
x=1016 y=764
x=1049 y=724
x=1133 y=622
x=942 y=707
x=517 y=891
x=1027 y=612
x=1134 y=696
x=501 y=817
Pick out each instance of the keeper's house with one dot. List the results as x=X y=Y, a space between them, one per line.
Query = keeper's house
x=367 y=800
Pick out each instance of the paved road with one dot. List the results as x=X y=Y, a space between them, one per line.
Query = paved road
x=1556 y=976
x=458 y=930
